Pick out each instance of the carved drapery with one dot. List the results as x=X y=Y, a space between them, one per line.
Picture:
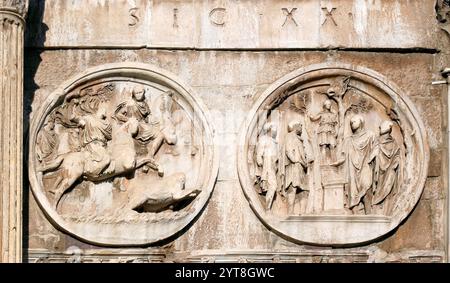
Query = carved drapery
x=333 y=155
x=12 y=13
x=122 y=155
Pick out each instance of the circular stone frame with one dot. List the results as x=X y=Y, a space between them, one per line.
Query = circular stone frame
x=324 y=231
x=149 y=235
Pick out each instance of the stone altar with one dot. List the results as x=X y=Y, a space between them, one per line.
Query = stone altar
x=364 y=155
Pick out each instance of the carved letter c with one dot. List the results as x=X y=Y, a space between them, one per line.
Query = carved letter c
x=217 y=16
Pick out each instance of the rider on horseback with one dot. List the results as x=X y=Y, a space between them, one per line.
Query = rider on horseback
x=151 y=132
x=138 y=108
x=96 y=132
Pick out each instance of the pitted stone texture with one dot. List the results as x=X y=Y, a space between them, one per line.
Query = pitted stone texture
x=292 y=170
x=244 y=24
x=213 y=83
x=122 y=154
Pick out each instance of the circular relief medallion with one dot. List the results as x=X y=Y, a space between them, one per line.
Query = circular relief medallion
x=333 y=156
x=122 y=155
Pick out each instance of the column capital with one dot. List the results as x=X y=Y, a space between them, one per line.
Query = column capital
x=18 y=7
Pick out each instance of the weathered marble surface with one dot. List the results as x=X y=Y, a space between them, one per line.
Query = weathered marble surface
x=229 y=58
x=228 y=223
x=12 y=27
x=122 y=155
x=361 y=146
x=240 y=24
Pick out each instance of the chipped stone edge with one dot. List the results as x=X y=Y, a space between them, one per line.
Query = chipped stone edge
x=370 y=77
x=144 y=72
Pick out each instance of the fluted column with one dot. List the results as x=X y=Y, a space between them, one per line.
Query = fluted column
x=12 y=13
x=446 y=74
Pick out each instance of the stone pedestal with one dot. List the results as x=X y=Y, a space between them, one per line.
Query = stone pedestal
x=333 y=189
x=333 y=197
x=11 y=128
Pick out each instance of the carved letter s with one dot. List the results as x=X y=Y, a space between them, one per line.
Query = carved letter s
x=134 y=18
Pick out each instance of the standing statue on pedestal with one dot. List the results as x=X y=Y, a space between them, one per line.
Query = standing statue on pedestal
x=267 y=161
x=326 y=132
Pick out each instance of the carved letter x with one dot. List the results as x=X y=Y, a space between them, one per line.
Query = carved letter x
x=289 y=15
x=329 y=15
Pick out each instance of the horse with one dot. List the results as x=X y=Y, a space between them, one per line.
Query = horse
x=166 y=134
x=122 y=161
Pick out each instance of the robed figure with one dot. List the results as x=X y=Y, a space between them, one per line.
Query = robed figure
x=95 y=134
x=46 y=141
x=138 y=108
x=387 y=163
x=296 y=167
x=357 y=150
x=267 y=161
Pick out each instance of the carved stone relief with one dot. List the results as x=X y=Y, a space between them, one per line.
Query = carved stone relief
x=333 y=155
x=122 y=155
x=443 y=14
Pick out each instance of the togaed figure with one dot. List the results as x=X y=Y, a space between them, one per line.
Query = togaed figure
x=387 y=163
x=267 y=161
x=296 y=166
x=357 y=152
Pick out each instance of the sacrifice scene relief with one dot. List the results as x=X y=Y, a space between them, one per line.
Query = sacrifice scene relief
x=328 y=149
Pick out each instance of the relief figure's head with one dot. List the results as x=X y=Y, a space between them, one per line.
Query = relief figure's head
x=357 y=123
x=138 y=93
x=386 y=127
x=327 y=105
x=75 y=101
x=295 y=126
x=269 y=128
